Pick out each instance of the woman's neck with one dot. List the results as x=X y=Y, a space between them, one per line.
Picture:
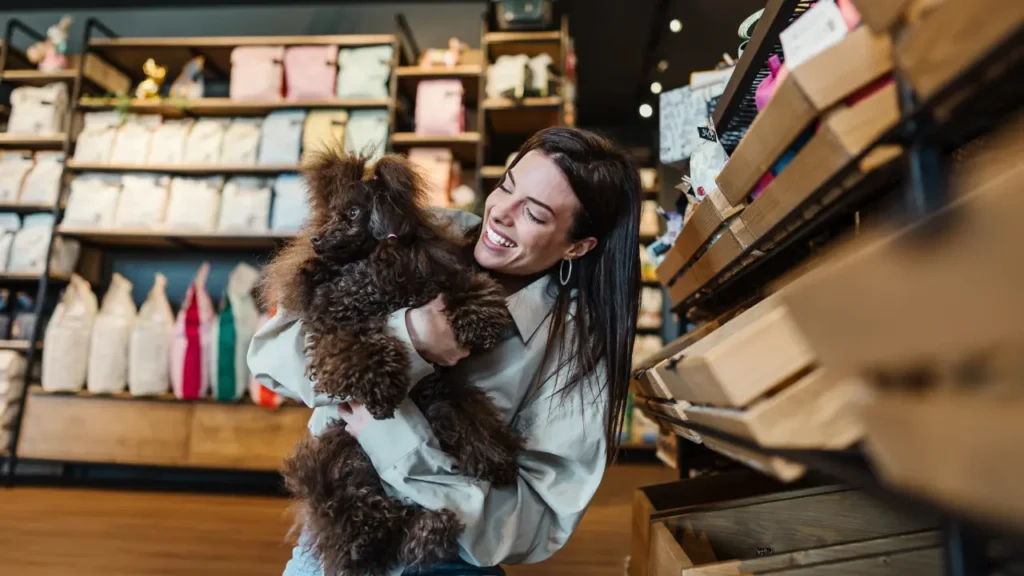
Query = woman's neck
x=512 y=284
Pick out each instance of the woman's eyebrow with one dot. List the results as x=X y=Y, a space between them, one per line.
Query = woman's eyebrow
x=539 y=203
x=510 y=177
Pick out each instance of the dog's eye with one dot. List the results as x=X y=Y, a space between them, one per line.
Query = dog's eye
x=353 y=213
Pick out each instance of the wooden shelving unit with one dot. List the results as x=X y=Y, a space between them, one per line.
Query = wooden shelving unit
x=183 y=169
x=225 y=106
x=463 y=146
x=32 y=141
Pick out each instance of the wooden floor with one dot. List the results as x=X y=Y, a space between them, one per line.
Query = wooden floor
x=63 y=531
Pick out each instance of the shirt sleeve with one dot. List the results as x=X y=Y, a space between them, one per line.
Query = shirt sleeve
x=559 y=472
x=277 y=357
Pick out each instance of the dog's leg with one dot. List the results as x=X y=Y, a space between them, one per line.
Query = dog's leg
x=430 y=537
x=477 y=311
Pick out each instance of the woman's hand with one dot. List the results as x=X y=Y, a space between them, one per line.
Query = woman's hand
x=432 y=334
x=356 y=417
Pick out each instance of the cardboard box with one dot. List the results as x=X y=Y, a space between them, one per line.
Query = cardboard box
x=803 y=96
x=707 y=218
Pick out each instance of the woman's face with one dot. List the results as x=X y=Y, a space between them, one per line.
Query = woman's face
x=527 y=220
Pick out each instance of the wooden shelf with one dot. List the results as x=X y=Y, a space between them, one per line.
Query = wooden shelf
x=18 y=345
x=32 y=141
x=25 y=208
x=184 y=169
x=526 y=116
x=529 y=43
x=463 y=146
x=29 y=277
x=525 y=103
x=226 y=106
x=492 y=172
x=409 y=78
x=341 y=40
x=186 y=240
x=36 y=77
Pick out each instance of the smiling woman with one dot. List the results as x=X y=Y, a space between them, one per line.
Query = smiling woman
x=560 y=233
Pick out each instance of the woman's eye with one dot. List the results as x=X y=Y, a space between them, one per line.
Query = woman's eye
x=353 y=213
x=532 y=217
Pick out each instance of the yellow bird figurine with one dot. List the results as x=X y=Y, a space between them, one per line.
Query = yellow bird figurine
x=150 y=87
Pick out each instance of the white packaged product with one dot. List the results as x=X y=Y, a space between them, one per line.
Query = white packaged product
x=133 y=140
x=508 y=76
x=194 y=204
x=9 y=226
x=96 y=140
x=111 y=332
x=290 y=204
x=12 y=371
x=168 y=145
x=232 y=331
x=28 y=251
x=241 y=142
x=92 y=201
x=281 y=138
x=245 y=205
x=149 y=348
x=364 y=72
x=14 y=167
x=66 y=343
x=367 y=133
x=38 y=110
x=205 y=141
x=64 y=256
x=143 y=201
x=42 y=184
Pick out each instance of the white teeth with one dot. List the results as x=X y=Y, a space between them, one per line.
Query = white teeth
x=499 y=240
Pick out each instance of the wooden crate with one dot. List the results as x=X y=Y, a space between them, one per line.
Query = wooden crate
x=706 y=219
x=729 y=246
x=774 y=466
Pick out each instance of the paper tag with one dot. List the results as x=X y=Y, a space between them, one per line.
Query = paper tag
x=819 y=28
x=707 y=134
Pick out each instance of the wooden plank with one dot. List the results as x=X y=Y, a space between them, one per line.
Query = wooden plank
x=233 y=41
x=225 y=106
x=463 y=146
x=107 y=430
x=881 y=15
x=243 y=436
x=840 y=71
x=706 y=219
x=184 y=169
x=898 y=563
x=773 y=466
x=666 y=556
x=32 y=141
x=438 y=72
x=37 y=77
x=182 y=239
x=506 y=116
x=722 y=253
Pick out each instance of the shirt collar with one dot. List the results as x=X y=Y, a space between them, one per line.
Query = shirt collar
x=531 y=305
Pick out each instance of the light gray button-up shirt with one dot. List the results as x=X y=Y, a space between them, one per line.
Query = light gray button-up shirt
x=559 y=470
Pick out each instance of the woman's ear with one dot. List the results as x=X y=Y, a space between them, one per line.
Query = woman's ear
x=580 y=247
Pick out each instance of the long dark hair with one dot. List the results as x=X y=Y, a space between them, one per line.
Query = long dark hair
x=606 y=280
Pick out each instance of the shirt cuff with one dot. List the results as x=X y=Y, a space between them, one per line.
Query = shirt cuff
x=389 y=441
x=419 y=368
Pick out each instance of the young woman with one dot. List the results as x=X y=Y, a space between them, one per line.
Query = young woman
x=560 y=233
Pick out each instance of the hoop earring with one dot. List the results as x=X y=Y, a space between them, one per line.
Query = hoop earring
x=563 y=275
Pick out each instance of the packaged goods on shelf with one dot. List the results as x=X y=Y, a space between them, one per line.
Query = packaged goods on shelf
x=439 y=108
x=364 y=72
x=14 y=167
x=205 y=140
x=66 y=343
x=310 y=72
x=241 y=142
x=169 y=141
x=92 y=201
x=12 y=386
x=28 y=251
x=281 y=138
x=257 y=73
x=290 y=208
x=541 y=76
x=644 y=347
x=436 y=166
x=650 y=224
x=245 y=205
x=507 y=77
x=367 y=132
x=133 y=139
x=232 y=331
x=194 y=203
x=143 y=201
x=324 y=130
x=96 y=140
x=651 y=303
x=38 y=110
x=149 y=348
x=190 y=348
x=111 y=333
x=42 y=184
x=9 y=226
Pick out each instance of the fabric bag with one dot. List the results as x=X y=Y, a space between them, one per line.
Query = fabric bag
x=190 y=348
x=257 y=73
x=38 y=110
x=310 y=72
x=241 y=142
x=64 y=256
x=14 y=167
x=435 y=165
x=149 y=348
x=12 y=387
x=131 y=146
x=111 y=332
x=93 y=200
x=364 y=72
x=439 y=108
x=169 y=140
x=193 y=204
x=9 y=226
x=281 y=138
x=205 y=140
x=290 y=203
x=540 y=75
x=42 y=184
x=96 y=140
x=66 y=342
x=245 y=205
x=143 y=201
x=367 y=133
x=324 y=130
x=508 y=76
x=234 y=328
x=28 y=249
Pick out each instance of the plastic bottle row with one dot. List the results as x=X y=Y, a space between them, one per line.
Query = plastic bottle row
x=279 y=139
x=30 y=179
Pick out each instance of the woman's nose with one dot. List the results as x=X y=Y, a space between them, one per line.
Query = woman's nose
x=501 y=211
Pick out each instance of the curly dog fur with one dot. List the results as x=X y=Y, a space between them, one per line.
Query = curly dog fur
x=368 y=249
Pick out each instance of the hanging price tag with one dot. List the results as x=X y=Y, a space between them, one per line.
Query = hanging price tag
x=819 y=28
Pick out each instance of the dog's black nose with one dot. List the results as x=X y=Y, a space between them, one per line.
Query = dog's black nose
x=315 y=240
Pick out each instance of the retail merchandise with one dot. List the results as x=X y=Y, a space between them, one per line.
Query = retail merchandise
x=310 y=72
x=245 y=205
x=12 y=386
x=96 y=140
x=149 y=89
x=93 y=200
x=192 y=344
x=149 y=348
x=143 y=201
x=242 y=142
x=257 y=72
x=436 y=165
x=290 y=204
x=132 y=143
x=42 y=184
x=107 y=371
x=14 y=167
x=9 y=226
x=367 y=133
x=324 y=130
x=67 y=338
x=231 y=333
x=38 y=110
x=364 y=72
x=194 y=203
x=169 y=141
x=205 y=140
x=281 y=138
x=28 y=250
x=439 y=108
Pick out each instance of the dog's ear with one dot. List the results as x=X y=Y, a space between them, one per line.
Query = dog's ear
x=401 y=180
x=329 y=174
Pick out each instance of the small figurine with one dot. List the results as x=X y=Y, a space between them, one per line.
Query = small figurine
x=150 y=87
x=50 y=54
x=189 y=85
x=449 y=58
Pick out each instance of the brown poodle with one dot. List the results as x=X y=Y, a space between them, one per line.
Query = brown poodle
x=368 y=249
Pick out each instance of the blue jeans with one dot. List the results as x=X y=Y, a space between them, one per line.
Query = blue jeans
x=303 y=564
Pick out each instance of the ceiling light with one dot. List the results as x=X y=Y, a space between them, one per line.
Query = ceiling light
x=675 y=25
x=662 y=65
x=655 y=87
x=646 y=111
